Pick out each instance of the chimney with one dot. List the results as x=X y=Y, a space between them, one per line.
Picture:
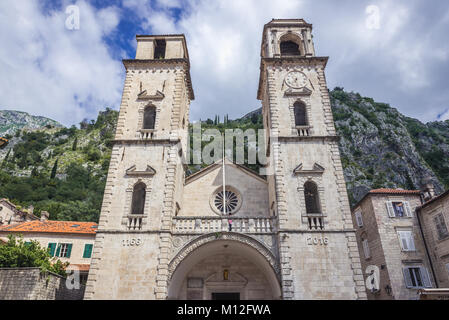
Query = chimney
x=31 y=209
x=44 y=216
x=428 y=191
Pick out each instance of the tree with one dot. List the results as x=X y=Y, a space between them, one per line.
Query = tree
x=75 y=144
x=54 y=169
x=34 y=172
x=17 y=253
x=7 y=156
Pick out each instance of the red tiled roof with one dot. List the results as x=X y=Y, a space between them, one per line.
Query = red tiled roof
x=394 y=191
x=53 y=227
x=79 y=267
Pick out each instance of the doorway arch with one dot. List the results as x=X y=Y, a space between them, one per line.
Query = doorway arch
x=219 y=245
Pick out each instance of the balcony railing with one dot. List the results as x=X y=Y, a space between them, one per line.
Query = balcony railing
x=198 y=225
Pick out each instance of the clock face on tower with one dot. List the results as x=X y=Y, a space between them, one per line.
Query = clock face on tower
x=296 y=79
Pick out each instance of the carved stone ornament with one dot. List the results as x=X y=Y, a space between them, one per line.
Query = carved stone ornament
x=204 y=239
x=298 y=92
x=149 y=171
x=145 y=96
x=316 y=169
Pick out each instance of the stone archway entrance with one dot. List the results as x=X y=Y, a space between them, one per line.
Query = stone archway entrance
x=224 y=268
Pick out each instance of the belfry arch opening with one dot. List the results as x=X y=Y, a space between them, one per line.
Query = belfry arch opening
x=290 y=45
x=224 y=268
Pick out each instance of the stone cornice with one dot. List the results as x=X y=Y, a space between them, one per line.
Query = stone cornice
x=156 y=62
x=308 y=138
x=146 y=141
x=316 y=231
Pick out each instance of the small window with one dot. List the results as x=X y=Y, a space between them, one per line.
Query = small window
x=359 y=219
x=64 y=250
x=311 y=198
x=138 y=201
x=366 y=250
x=289 y=48
x=88 y=250
x=159 y=50
x=398 y=209
x=440 y=226
x=300 y=114
x=52 y=249
x=416 y=277
x=406 y=240
x=149 y=118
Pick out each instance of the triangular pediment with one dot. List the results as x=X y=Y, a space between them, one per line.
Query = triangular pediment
x=133 y=171
x=315 y=169
x=230 y=166
x=145 y=96
x=298 y=92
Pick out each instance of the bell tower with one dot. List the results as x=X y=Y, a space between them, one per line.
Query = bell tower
x=317 y=246
x=146 y=175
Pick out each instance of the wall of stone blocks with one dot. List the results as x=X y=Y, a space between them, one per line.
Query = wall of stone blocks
x=438 y=248
x=370 y=231
x=384 y=243
x=32 y=284
x=127 y=268
x=321 y=267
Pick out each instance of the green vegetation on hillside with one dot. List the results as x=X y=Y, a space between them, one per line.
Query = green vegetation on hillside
x=253 y=122
x=62 y=171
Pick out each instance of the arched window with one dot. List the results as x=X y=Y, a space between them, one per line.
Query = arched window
x=289 y=48
x=300 y=114
x=311 y=197
x=138 y=202
x=149 y=117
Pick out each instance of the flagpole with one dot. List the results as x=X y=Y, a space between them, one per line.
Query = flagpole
x=224 y=176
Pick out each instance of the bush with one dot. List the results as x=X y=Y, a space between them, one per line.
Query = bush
x=19 y=254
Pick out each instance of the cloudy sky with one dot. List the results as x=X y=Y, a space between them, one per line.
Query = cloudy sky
x=394 y=51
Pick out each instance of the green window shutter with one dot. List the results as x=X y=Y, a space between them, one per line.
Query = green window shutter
x=87 y=251
x=58 y=250
x=69 y=250
x=52 y=247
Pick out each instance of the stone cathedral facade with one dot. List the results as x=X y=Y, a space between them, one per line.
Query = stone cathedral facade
x=163 y=235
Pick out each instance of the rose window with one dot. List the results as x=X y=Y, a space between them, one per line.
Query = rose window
x=230 y=201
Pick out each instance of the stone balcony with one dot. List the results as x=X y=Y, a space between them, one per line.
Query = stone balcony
x=201 y=225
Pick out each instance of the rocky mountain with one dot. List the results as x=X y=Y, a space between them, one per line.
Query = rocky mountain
x=11 y=121
x=57 y=169
x=380 y=147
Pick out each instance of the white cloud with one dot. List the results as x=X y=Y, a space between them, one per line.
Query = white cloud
x=224 y=45
x=49 y=70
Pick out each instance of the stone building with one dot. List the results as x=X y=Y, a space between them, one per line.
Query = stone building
x=11 y=214
x=287 y=235
x=69 y=241
x=434 y=217
x=389 y=237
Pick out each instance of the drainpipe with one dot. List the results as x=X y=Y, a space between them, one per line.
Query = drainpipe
x=418 y=211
